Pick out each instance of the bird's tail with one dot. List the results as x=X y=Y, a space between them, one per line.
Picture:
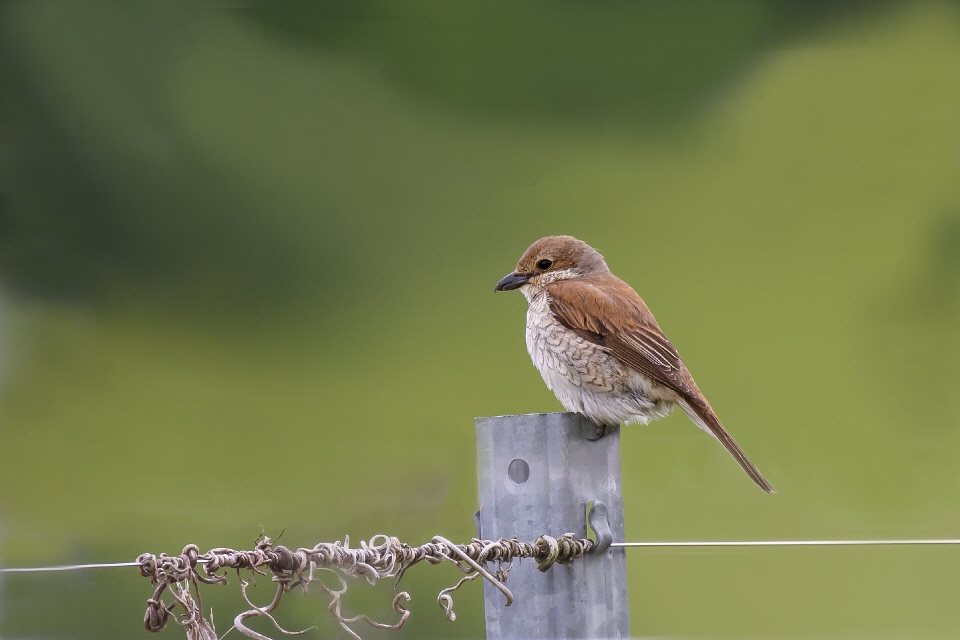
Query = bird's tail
x=703 y=416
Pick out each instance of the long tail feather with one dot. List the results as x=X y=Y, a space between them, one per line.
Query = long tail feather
x=703 y=416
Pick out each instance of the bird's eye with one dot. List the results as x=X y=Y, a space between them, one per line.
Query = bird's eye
x=544 y=264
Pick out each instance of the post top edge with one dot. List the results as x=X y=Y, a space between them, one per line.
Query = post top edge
x=524 y=415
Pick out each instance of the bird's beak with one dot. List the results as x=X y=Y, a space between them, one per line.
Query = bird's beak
x=511 y=281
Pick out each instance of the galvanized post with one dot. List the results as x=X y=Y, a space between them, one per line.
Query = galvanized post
x=537 y=474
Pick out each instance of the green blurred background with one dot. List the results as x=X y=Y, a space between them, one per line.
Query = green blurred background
x=248 y=252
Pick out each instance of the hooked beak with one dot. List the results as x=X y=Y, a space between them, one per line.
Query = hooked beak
x=511 y=281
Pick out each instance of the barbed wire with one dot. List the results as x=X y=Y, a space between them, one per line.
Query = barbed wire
x=381 y=557
x=624 y=545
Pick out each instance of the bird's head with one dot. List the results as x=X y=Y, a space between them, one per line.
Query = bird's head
x=553 y=258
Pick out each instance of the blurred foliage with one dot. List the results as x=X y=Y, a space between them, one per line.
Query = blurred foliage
x=595 y=63
x=122 y=197
x=248 y=257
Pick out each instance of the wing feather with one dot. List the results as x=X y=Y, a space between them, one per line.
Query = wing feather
x=616 y=318
x=607 y=312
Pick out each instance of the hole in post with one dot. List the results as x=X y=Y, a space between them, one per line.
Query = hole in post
x=519 y=471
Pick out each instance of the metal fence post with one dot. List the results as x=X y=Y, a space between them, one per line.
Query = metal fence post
x=537 y=474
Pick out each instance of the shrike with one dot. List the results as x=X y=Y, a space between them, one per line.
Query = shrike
x=598 y=347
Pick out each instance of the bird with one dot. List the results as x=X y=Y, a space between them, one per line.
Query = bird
x=599 y=348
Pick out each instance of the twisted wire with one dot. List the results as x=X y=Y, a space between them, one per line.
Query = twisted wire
x=381 y=557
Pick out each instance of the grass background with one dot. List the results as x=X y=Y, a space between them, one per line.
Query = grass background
x=248 y=256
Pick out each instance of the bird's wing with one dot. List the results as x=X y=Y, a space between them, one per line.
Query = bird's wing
x=612 y=315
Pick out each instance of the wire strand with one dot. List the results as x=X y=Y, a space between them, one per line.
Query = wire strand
x=782 y=543
x=622 y=545
x=70 y=567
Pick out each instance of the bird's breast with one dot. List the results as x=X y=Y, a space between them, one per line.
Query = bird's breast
x=563 y=357
x=584 y=376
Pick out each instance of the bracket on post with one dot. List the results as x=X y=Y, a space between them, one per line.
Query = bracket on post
x=597 y=519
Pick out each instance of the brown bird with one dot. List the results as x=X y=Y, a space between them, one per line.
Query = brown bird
x=598 y=347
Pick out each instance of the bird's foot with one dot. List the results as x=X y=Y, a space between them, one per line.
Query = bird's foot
x=593 y=431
